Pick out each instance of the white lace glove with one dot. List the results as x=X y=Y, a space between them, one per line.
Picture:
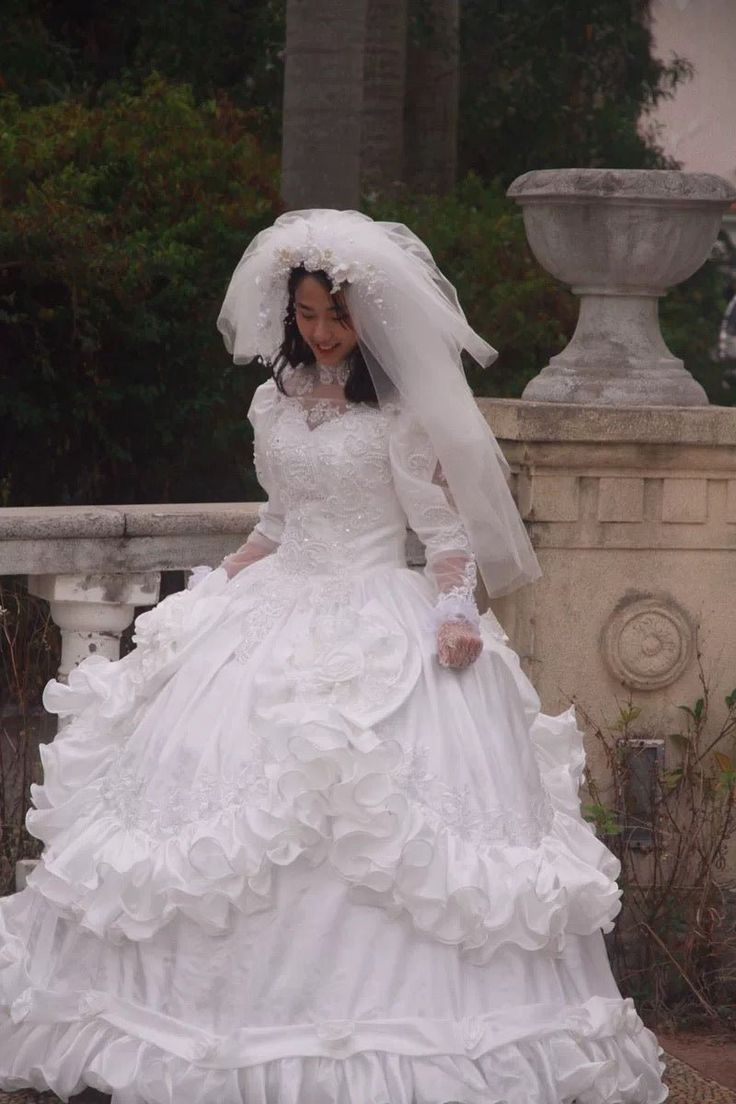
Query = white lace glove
x=455 y=616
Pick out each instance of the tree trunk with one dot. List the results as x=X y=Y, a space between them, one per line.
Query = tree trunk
x=384 y=86
x=432 y=96
x=323 y=103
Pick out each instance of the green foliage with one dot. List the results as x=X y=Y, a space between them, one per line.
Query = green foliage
x=477 y=237
x=671 y=821
x=219 y=45
x=33 y=64
x=53 y=51
x=119 y=227
x=557 y=84
x=604 y=820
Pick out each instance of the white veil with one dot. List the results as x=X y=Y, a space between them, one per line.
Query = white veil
x=411 y=330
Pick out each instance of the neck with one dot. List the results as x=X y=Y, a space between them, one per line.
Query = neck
x=333 y=373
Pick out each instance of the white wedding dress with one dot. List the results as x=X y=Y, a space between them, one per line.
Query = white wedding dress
x=292 y=859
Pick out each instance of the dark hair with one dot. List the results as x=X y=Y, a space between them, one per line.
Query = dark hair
x=295 y=351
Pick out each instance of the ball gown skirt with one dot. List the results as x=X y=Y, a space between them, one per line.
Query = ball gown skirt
x=291 y=859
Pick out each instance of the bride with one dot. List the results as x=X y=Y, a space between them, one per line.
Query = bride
x=312 y=841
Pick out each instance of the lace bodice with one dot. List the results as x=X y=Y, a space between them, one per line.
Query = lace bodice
x=343 y=480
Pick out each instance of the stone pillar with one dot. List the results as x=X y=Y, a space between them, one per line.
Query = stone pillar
x=620 y=238
x=633 y=515
x=93 y=610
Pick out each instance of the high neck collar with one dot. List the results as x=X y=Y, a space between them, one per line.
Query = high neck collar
x=333 y=373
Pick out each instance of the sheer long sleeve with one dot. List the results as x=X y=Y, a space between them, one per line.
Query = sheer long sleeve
x=431 y=513
x=265 y=536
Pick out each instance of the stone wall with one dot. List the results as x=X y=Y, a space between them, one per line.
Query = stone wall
x=633 y=515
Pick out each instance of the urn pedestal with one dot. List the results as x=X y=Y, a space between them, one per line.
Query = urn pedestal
x=619 y=239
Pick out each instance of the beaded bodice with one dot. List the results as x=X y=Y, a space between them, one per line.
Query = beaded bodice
x=344 y=479
x=326 y=463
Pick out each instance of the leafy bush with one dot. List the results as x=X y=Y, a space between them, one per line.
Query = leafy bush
x=119 y=227
x=671 y=821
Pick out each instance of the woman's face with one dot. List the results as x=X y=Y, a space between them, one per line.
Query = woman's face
x=323 y=322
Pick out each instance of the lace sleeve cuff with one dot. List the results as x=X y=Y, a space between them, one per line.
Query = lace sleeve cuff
x=454 y=576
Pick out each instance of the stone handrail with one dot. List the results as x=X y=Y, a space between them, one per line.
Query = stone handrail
x=95 y=564
x=38 y=540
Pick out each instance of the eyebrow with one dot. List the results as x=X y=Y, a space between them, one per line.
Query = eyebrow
x=305 y=306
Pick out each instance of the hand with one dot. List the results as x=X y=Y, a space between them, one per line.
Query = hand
x=458 y=644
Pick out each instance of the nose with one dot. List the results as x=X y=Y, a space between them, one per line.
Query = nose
x=322 y=330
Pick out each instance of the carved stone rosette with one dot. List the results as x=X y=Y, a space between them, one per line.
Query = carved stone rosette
x=648 y=643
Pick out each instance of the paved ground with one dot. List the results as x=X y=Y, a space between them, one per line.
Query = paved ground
x=687 y=1084
x=712 y=1055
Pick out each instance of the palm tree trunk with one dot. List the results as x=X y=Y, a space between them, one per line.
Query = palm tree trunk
x=384 y=86
x=323 y=103
x=432 y=96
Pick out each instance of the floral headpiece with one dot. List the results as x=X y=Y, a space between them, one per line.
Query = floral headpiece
x=292 y=244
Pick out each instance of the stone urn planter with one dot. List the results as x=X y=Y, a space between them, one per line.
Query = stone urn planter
x=620 y=238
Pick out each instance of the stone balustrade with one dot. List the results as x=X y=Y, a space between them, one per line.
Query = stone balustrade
x=95 y=564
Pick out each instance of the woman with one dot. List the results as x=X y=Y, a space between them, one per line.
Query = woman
x=312 y=842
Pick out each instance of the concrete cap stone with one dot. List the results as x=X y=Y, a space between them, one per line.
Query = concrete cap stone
x=187 y=517
x=59 y=522
x=520 y=419
x=626 y=185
